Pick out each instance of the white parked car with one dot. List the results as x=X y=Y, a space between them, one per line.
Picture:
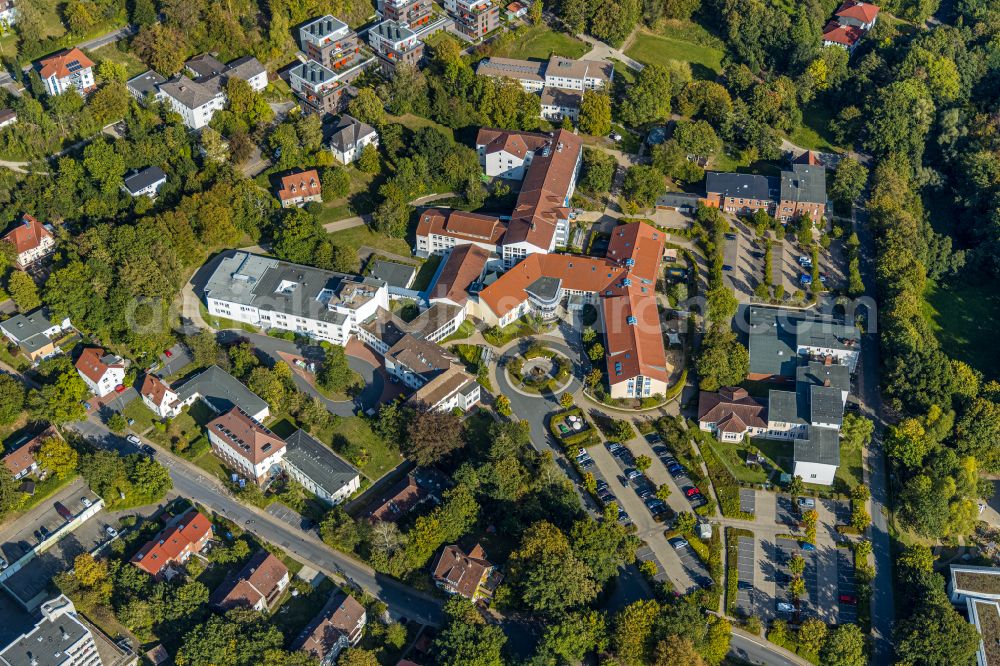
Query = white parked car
x=784 y=607
x=86 y=502
x=112 y=532
x=134 y=439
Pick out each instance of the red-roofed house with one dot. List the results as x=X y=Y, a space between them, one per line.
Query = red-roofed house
x=159 y=398
x=31 y=239
x=731 y=413
x=465 y=575
x=257 y=586
x=846 y=36
x=341 y=623
x=298 y=189
x=246 y=445
x=21 y=460
x=175 y=544
x=849 y=24
x=100 y=372
x=67 y=70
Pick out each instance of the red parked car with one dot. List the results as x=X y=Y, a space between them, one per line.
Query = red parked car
x=120 y=388
x=691 y=492
x=848 y=599
x=167 y=353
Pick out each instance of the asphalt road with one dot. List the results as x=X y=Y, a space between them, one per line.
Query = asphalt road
x=758 y=651
x=193 y=483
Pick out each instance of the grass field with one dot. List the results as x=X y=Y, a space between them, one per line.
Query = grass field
x=706 y=61
x=133 y=66
x=426 y=273
x=357 y=237
x=414 y=123
x=352 y=438
x=814 y=133
x=541 y=41
x=849 y=473
x=962 y=316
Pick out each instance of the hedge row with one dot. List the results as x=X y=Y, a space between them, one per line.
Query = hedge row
x=726 y=486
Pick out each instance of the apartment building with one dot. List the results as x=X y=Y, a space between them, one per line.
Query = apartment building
x=322 y=89
x=350 y=136
x=67 y=70
x=560 y=81
x=31 y=239
x=798 y=191
x=196 y=103
x=276 y=294
x=175 y=544
x=35 y=333
x=60 y=638
x=467 y=575
x=474 y=18
x=411 y=13
x=246 y=445
x=452 y=389
x=257 y=586
x=340 y=624
x=101 y=372
x=395 y=43
x=298 y=189
x=330 y=42
x=318 y=469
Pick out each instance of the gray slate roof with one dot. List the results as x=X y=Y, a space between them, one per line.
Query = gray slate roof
x=146 y=83
x=187 y=92
x=804 y=183
x=822 y=446
x=787 y=407
x=814 y=372
x=565 y=99
x=45 y=644
x=245 y=68
x=205 y=65
x=544 y=288
x=221 y=391
x=143 y=179
x=741 y=185
x=393 y=274
x=348 y=131
x=776 y=335
x=318 y=461
x=826 y=404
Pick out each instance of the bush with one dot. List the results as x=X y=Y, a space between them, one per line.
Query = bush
x=726 y=486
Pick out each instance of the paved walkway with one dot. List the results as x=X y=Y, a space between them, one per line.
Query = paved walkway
x=601 y=51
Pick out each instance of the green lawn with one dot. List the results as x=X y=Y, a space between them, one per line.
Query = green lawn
x=222 y=322
x=133 y=66
x=733 y=456
x=540 y=42
x=814 y=133
x=962 y=316
x=413 y=123
x=143 y=415
x=426 y=273
x=211 y=464
x=352 y=438
x=356 y=237
x=465 y=329
x=706 y=61
x=849 y=473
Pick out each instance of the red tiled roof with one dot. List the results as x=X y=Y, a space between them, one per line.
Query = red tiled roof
x=172 y=543
x=334 y=621
x=249 y=438
x=302 y=184
x=27 y=235
x=515 y=143
x=847 y=35
x=463 y=266
x=861 y=11
x=460 y=572
x=23 y=457
x=257 y=581
x=154 y=389
x=61 y=63
x=459 y=224
x=732 y=409
x=91 y=363
x=400 y=499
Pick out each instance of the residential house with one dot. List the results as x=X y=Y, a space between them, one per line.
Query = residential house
x=781 y=340
x=452 y=389
x=465 y=575
x=220 y=392
x=7 y=116
x=196 y=103
x=330 y=42
x=67 y=70
x=817 y=456
x=394 y=43
x=414 y=14
x=31 y=239
x=34 y=333
x=159 y=397
x=246 y=445
x=276 y=294
x=59 y=638
x=730 y=414
x=560 y=81
x=799 y=191
x=100 y=372
x=398 y=500
x=257 y=586
x=385 y=330
x=208 y=71
x=568 y=74
x=540 y=219
x=852 y=20
x=516 y=10
x=340 y=624
x=350 y=136
x=622 y=285
x=529 y=73
x=20 y=459
x=976 y=590
x=175 y=544
x=474 y=18
x=318 y=469
x=298 y=189
x=145 y=183
x=8 y=12
x=416 y=361
x=145 y=86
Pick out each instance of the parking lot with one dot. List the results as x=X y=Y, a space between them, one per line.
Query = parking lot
x=786 y=548
x=847 y=612
x=746 y=562
x=748 y=500
x=786 y=512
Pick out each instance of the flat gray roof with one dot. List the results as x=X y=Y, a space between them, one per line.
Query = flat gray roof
x=192 y=95
x=741 y=185
x=787 y=407
x=805 y=183
x=146 y=83
x=393 y=273
x=21 y=327
x=47 y=643
x=776 y=335
x=814 y=372
x=221 y=391
x=822 y=446
x=318 y=461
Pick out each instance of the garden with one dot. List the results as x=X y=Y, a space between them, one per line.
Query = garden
x=539 y=369
x=571 y=428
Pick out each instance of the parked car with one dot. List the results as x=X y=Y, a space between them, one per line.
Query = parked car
x=608 y=498
x=622 y=516
x=120 y=388
x=730 y=236
x=785 y=607
x=44 y=531
x=806 y=503
x=691 y=492
x=586 y=464
x=86 y=502
x=678 y=542
x=848 y=599
x=613 y=446
x=3 y=564
x=645 y=493
x=63 y=511
x=668 y=461
x=601 y=485
x=168 y=353
x=112 y=532
x=805 y=279
x=653 y=438
x=654 y=502
x=148 y=450
x=806 y=546
x=661 y=450
x=744 y=585
x=822 y=277
x=631 y=474
x=805 y=261
x=676 y=471
x=134 y=439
